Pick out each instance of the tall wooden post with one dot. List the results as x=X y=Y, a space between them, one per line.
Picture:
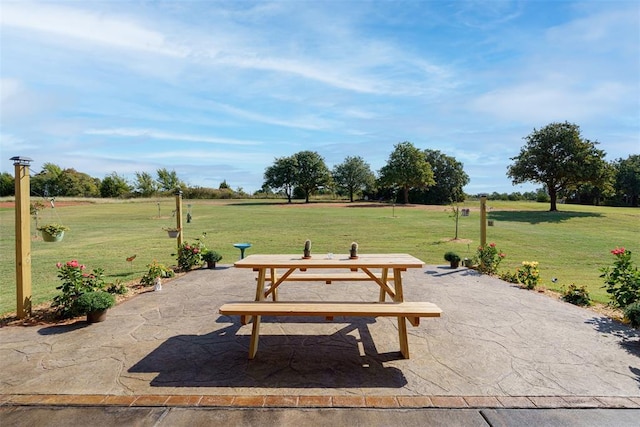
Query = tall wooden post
x=23 y=236
x=180 y=239
x=483 y=220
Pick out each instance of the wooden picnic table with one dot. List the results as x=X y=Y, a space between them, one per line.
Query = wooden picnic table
x=388 y=279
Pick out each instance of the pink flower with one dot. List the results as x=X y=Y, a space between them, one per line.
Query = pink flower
x=58 y=264
x=73 y=263
x=493 y=245
x=501 y=255
x=618 y=251
x=82 y=267
x=196 y=250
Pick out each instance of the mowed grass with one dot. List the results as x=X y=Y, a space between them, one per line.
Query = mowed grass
x=571 y=245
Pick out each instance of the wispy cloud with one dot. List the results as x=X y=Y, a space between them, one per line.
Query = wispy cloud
x=154 y=134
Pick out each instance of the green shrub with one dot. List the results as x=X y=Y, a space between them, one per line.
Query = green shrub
x=452 y=257
x=632 y=314
x=577 y=295
x=622 y=280
x=509 y=277
x=211 y=256
x=94 y=301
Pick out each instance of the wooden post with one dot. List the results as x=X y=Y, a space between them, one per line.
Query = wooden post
x=23 y=236
x=483 y=220
x=180 y=239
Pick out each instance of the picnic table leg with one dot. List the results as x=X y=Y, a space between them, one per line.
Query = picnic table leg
x=255 y=332
x=383 y=294
x=402 y=321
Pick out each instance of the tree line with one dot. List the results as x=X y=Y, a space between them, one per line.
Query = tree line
x=569 y=168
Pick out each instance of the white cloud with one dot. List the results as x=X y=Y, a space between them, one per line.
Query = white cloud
x=85 y=27
x=155 y=134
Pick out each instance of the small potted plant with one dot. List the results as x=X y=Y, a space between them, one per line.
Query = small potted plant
x=453 y=258
x=306 y=253
x=353 y=252
x=52 y=232
x=211 y=257
x=95 y=305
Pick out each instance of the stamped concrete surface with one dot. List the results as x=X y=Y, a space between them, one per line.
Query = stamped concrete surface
x=495 y=347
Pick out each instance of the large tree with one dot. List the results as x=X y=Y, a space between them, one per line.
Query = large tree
x=353 y=175
x=558 y=157
x=114 y=185
x=449 y=176
x=312 y=173
x=282 y=175
x=407 y=168
x=627 y=183
x=145 y=185
x=168 y=181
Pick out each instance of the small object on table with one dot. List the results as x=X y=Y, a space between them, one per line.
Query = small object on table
x=242 y=247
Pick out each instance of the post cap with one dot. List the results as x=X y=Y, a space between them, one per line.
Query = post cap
x=21 y=160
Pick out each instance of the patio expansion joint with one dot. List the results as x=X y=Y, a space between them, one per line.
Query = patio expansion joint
x=321 y=401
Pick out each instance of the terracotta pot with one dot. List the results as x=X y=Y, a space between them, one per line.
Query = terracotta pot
x=97 y=316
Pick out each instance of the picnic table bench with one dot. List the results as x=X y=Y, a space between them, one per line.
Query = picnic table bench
x=358 y=269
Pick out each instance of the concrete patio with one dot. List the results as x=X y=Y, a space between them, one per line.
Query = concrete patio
x=497 y=348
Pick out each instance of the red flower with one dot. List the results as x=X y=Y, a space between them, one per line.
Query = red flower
x=618 y=251
x=493 y=245
x=501 y=255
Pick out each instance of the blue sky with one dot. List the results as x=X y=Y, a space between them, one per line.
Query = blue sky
x=217 y=90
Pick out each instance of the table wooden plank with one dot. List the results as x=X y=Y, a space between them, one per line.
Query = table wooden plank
x=402 y=261
x=326 y=308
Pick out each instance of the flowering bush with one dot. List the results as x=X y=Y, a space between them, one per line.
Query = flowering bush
x=528 y=274
x=190 y=255
x=488 y=258
x=75 y=282
x=156 y=269
x=622 y=280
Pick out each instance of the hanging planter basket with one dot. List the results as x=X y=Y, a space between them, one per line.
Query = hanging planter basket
x=48 y=237
x=52 y=232
x=172 y=233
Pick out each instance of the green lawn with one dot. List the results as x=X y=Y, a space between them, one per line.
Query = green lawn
x=570 y=245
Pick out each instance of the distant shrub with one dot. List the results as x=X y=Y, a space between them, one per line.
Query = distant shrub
x=577 y=295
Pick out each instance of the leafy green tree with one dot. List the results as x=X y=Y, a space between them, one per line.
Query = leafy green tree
x=449 y=176
x=7 y=184
x=407 y=168
x=312 y=173
x=168 y=181
x=224 y=185
x=114 y=185
x=282 y=175
x=558 y=157
x=627 y=181
x=353 y=175
x=145 y=185
x=46 y=183
x=78 y=184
